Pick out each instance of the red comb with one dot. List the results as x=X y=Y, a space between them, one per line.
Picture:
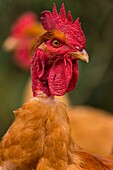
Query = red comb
x=24 y=21
x=59 y=21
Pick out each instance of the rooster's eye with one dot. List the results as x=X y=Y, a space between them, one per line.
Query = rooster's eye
x=56 y=43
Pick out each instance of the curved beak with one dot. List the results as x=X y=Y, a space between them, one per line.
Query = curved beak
x=81 y=55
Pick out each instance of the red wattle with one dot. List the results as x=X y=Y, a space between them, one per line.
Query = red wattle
x=60 y=76
x=53 y=79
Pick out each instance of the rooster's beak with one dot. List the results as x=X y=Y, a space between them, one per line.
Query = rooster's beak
x=81 y=55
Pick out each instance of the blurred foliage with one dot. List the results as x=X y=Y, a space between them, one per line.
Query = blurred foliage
x=96 y=78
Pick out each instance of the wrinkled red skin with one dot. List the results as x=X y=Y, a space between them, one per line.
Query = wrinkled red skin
x=54 y=78
x=54 y=71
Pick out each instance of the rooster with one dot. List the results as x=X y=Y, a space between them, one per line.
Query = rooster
x=92 y=122
x=40 y=137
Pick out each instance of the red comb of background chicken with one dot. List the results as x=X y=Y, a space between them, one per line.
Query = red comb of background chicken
x=23 y=23
x=55 y=21
x=22 y=33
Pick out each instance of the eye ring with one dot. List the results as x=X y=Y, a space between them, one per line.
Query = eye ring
x=56 y=43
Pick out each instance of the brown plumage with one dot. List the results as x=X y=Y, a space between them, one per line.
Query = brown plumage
x=87 y=123
x=92 y=129
x=40 y=138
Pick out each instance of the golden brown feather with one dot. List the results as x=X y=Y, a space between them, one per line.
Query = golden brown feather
x=91 y=128
x=38 y=126
x=40 y=138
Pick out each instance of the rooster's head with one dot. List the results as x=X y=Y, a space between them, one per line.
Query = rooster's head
x=55 y=54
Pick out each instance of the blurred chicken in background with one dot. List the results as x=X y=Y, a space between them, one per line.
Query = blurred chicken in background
x=91 y=128
x=22 y=33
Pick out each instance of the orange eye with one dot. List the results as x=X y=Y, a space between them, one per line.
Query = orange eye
x=56 y=43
